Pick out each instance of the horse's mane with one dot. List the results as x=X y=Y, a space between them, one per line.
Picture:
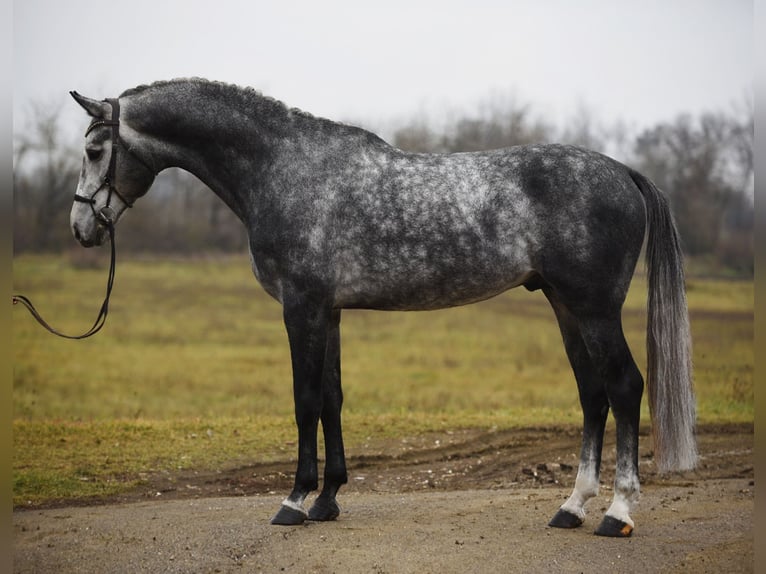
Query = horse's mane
x=246 y=97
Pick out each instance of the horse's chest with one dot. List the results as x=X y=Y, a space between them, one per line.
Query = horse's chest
x=264 y=269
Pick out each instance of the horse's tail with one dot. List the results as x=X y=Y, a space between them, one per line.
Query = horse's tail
x=668 y=338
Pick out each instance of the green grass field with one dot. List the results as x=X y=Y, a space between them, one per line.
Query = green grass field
x=192 y=370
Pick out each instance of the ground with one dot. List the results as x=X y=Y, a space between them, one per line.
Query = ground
x=464 y=501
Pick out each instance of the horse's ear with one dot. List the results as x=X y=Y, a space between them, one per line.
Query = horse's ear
x=95 y=108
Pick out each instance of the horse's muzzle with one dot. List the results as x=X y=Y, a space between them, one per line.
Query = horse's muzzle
x=90 y=239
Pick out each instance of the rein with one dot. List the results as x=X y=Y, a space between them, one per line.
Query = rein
x=105 y=216
x=100 y=320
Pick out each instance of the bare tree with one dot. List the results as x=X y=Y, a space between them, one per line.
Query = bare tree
x=497 y=122
x=181 y=215
x=45 y=174
x=685 y=159
x=704 y=165
x=584 y=130
x=736 y=245
x=418 y=136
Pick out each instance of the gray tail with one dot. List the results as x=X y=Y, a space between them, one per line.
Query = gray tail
x=668 y=338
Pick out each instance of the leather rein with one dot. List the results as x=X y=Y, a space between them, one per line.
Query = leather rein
x=105 y=216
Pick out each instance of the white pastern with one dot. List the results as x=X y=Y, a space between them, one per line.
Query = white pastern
x=625 y=498
x=586 y=487
x=295 y=506
x=620 y=509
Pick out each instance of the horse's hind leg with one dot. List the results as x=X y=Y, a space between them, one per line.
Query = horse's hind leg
x=325 y=506
x=595 y=407
x=611 y=356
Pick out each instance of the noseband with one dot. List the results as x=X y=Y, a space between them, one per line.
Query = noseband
x=106 y=215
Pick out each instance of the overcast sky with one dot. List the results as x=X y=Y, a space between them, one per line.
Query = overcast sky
x=641 y=61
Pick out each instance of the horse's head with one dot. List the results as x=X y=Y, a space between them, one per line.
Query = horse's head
x=113 y=174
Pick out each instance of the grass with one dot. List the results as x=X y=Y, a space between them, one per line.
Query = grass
x=192 y=370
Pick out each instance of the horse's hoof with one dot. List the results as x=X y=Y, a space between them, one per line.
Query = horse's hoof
x=613 y=527
x=565 y=519
x=324 y=509
x=288 y=516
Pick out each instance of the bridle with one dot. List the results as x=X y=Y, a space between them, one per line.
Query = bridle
x=105 y=216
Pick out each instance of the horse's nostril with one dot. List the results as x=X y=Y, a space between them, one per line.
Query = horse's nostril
x=76 y=232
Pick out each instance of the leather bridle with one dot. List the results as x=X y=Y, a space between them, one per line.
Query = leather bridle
x=105 y=216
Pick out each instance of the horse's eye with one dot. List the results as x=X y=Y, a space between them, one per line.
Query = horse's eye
x=94 y=154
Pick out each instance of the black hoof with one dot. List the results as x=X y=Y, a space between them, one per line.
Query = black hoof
x=288 y=516
x=614 y=528
x=324 y=509
x=565 y=519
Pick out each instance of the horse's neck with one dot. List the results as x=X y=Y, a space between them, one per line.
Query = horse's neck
x=223 y=146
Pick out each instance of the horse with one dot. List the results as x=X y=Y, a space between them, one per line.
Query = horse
x=339 y=219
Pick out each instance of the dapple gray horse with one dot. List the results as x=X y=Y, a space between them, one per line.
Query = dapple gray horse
x=339 y=219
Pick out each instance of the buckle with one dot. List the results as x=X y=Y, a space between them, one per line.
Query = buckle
x=106 y=214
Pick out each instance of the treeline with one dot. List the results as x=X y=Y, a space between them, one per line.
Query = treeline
x=703 y=162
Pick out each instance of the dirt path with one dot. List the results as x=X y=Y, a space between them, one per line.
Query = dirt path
x=459 y=502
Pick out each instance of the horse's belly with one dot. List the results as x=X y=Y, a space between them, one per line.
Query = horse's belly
x=409 y=287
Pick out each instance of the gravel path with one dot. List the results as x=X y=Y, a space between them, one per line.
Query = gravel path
x=472 y=503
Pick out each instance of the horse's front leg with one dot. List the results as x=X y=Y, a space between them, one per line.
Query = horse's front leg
x=307 y=321
x=325 y=506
